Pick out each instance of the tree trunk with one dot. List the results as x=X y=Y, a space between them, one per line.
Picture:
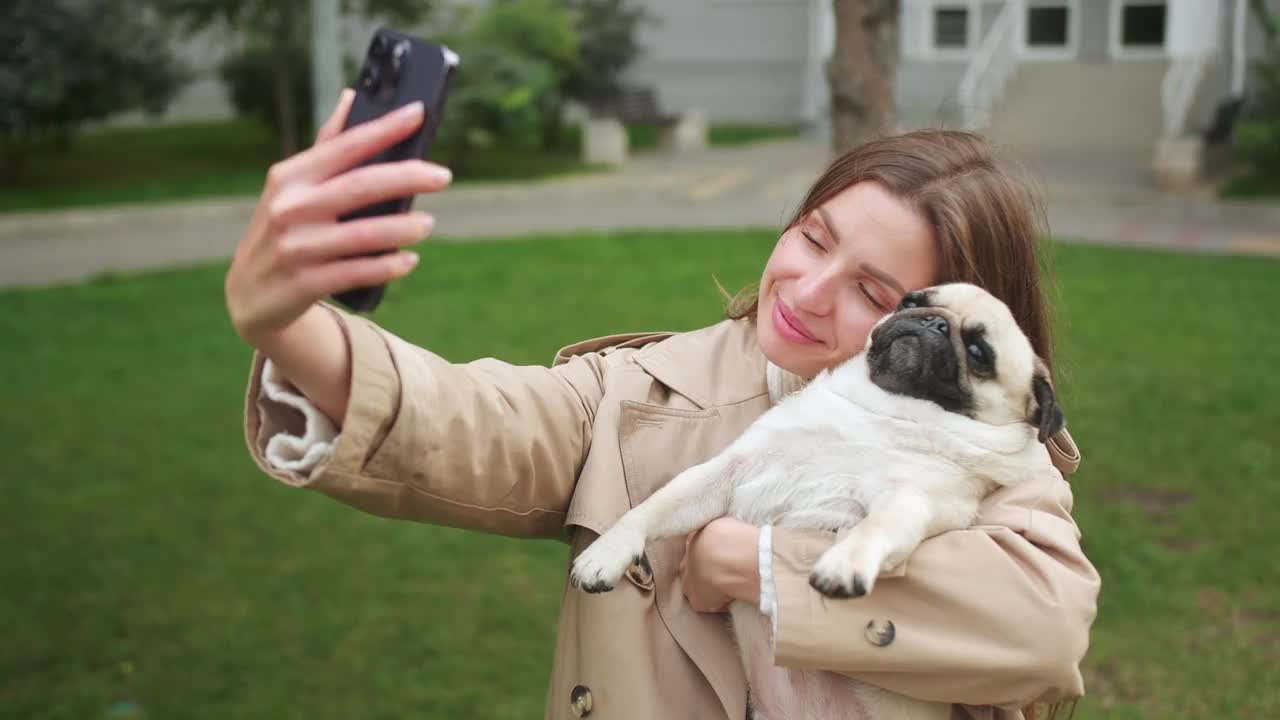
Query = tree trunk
x=458 y=157
x=551 y=131
x=62 y=137
x=283 y=74
x=861 y=71
x=14 y=152
x=285 y=110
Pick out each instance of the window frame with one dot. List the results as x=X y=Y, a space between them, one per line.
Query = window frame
x=1118 y=50
x=972 y=34
x=1069 y=51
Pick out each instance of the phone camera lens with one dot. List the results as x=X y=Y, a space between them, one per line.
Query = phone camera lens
x=399 y=53
x=379 y=48
x=370 y=79
x=395 y=64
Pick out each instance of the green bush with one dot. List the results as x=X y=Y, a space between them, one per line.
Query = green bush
x=501 y=96
x=1257 y=136
x=275 y=53
x=1258 y=142
x=65 y=63
x=515 y=55
x=250 y=83
x=608 y=45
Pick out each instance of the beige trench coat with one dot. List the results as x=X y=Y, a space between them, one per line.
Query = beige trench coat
x=991 y=617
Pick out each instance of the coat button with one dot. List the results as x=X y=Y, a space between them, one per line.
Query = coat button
x=880 y=632
x=580 y=700
x=641 y=573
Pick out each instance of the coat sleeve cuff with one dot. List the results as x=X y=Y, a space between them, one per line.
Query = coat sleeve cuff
x=798 y=611
x=288 y=443
x=298 y=453
x=986 y=617
x=793 y=599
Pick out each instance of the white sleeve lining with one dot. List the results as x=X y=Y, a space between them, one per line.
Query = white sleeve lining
x=290 y=452
x=768 y=592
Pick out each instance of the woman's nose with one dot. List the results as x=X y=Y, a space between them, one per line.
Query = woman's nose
x=815 y=293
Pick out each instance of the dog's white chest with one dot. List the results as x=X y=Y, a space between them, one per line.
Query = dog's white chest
x=820 y=465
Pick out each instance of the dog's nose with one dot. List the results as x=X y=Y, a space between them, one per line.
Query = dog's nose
x=933 y=322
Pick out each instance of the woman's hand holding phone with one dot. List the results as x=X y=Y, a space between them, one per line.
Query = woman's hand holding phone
x=295 y=251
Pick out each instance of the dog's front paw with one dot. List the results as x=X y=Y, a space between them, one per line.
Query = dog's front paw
x=837 y=574
x=601 y=565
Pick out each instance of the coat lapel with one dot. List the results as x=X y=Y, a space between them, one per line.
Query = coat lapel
x=716 y=366
x=687 y=379
x=718 y=375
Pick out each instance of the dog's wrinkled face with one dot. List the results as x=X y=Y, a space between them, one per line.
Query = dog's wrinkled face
x=960 y=347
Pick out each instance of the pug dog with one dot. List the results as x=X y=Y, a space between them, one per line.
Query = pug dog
x=899 y=443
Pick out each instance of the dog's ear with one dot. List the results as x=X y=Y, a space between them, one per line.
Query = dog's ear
x=1045 y=414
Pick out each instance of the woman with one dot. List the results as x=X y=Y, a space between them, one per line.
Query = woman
x=989 y=618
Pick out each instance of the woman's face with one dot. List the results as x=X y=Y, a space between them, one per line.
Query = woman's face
x=834 y=274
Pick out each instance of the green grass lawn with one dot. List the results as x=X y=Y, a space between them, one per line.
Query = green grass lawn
x=181 y=162
x=144 y=165
x=148 y=568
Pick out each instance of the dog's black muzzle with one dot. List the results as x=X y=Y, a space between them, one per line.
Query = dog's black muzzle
x=917 y=352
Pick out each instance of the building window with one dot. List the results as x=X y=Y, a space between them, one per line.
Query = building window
x=1048 y=27
x=942 y=30
x=1142 y=25
x=951 y=28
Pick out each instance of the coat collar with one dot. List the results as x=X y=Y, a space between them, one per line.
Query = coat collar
x=715 y=366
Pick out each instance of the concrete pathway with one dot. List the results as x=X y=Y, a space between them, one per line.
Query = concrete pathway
x=1100 y=199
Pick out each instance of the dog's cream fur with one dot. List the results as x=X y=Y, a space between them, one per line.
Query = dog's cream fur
x=843 y=453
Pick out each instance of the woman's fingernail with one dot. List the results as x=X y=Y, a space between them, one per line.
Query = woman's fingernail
x=413 y=108
x=442 y=173
x=410 y=259
x=427 y=221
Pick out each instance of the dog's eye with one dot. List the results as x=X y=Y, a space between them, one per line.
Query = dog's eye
x=977 y=353
x=908 y=303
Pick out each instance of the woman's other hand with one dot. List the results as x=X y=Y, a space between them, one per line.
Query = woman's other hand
x=294 y=251
x=721 y=564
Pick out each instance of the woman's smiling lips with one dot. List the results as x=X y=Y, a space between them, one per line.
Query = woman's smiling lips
x=789 y=326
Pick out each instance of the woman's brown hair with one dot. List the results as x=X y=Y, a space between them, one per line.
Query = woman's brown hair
x=985 y=221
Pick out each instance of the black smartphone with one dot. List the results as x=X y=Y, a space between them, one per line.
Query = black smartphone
x=398 y=69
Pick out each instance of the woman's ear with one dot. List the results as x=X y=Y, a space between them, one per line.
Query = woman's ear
x=1045 y=414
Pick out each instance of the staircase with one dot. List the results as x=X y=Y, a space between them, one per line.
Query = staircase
x=1058 y=105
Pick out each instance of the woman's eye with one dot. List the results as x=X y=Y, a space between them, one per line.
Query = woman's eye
x=871 y=298
x=811 y=240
